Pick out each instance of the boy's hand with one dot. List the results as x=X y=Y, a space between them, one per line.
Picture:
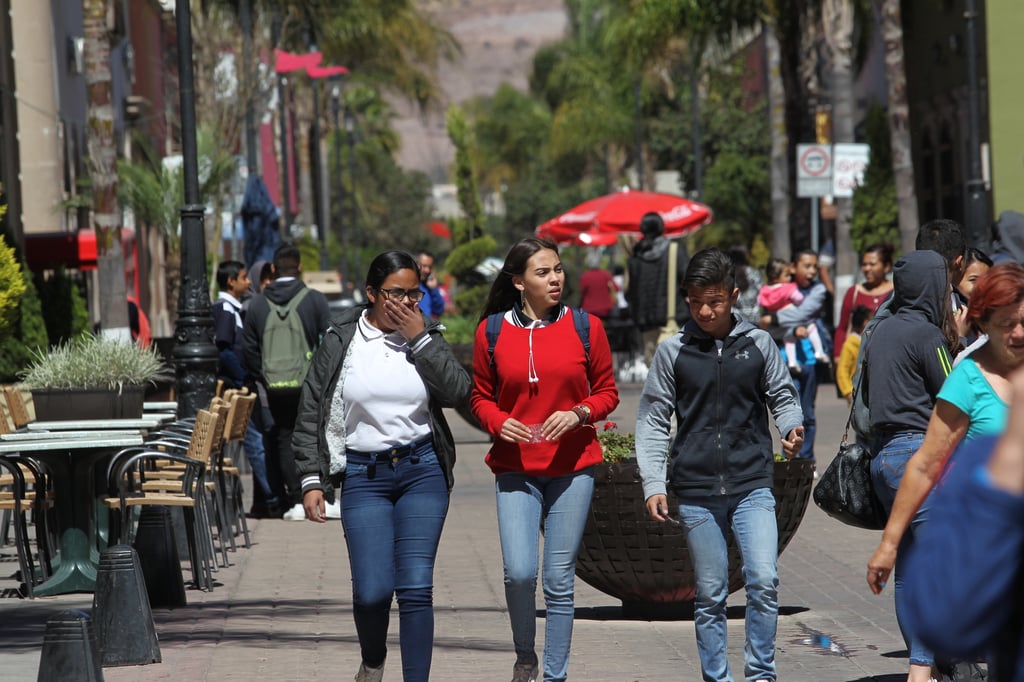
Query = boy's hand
x=657 y=507
x=792 y=443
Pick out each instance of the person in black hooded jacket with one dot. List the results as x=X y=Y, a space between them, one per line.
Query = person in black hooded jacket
x=907 y=360
x=283 y=402
x=648 y=283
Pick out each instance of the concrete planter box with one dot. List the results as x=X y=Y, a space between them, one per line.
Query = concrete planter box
x=53 y=404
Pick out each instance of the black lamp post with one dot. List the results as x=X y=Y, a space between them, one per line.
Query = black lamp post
x=319 y=214
x=977 y=194
x=350 y=130
x=282 y=113
x=195 y=355
x=342 y=234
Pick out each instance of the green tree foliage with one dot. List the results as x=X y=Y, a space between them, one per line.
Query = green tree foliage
x=12 y=287
x=736 y=144
x=471 y=244
x=875 y=209
x=510 y=129
x=28 y=333
x=65 y=313
x=395 y=43
x=393 y=205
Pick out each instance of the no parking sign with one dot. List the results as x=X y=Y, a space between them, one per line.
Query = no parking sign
x=813 y=170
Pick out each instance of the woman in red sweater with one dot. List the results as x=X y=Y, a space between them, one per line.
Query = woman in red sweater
x=875 y=265
x=538 y=395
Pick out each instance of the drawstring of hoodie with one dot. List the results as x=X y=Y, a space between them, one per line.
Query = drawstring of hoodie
x=531 y=372
x=520 y=319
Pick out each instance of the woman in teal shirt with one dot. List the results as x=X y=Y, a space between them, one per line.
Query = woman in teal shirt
x=972 y=402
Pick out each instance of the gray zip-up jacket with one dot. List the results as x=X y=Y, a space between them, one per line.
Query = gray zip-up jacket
x=721 y=397
x=448 y=384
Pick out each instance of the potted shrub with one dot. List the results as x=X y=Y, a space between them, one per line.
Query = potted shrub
x=646 y=564
x=91 y=378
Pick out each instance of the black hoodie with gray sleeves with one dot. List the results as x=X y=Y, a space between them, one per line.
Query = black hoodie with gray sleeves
x=906 y=356
x=721 y=393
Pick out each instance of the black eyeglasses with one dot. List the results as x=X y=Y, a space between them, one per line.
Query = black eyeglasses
x=397 y=294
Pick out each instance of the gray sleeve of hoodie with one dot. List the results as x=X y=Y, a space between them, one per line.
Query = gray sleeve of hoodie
x=654 y=418
x=780 y=393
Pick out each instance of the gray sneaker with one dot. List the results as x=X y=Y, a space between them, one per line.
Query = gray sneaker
x=366 y=674
x=524 y=672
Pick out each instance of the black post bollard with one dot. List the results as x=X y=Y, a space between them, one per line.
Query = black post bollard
x=158 y=554
x=69 y=650
x=125 y=633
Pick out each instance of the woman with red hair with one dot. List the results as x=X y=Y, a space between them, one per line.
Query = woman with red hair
x=973 y=402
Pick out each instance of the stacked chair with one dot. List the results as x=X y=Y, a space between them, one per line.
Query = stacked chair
x=133 y=468
x=189 y=464
x=25 y=490
x=229 y=480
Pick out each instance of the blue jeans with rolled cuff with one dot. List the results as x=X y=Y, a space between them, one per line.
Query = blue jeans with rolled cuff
x=887 y=469
x=561 y=503
x=393 y=507
x=707 y=521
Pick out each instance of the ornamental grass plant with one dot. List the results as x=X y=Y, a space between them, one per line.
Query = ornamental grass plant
x=93 y=362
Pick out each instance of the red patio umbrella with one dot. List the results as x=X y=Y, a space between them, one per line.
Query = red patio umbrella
x=600 y=221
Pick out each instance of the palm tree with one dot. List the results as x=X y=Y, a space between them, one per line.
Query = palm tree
x=838 y=22
x=780 y=143
x=106 y=217
x=899 y=122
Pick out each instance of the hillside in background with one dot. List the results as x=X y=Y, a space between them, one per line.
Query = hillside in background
x=499 y=39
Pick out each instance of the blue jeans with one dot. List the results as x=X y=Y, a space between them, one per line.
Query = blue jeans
x=392 y=513
x=887 y=469
x=807 y=388
x=707 y=521
x=562 y=504
x=256 y=453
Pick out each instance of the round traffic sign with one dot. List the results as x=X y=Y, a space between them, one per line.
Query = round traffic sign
x=815 y=161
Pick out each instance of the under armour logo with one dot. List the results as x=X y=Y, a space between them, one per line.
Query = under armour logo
x=742 y=355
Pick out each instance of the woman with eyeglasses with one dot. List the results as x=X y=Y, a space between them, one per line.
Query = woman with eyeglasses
x=370 y=424
x=537 y=390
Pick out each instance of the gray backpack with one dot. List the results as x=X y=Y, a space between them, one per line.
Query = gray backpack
x=285 y=350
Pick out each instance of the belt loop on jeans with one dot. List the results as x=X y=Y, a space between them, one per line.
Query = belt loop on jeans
x=371 y=467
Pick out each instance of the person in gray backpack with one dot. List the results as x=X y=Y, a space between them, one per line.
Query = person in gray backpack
x=282 y=328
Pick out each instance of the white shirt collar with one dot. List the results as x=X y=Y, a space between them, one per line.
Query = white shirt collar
x=231 y=300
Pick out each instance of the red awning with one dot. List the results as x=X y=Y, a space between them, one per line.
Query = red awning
x=49 y=250
x=73 y=250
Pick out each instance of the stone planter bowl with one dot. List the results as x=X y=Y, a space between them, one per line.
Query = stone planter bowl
x=646 y=564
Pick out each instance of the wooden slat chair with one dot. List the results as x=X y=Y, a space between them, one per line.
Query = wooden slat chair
x=16 y=505
x=168 y=478
x=16 y=406
x=38 y=500
x=38 y=494
x=128 y=474
x=228 y=476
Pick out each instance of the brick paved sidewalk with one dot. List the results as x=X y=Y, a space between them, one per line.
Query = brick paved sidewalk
x=282 y=610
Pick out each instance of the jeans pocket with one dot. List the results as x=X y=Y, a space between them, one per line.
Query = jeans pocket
x=765 y=502
x=693 y=517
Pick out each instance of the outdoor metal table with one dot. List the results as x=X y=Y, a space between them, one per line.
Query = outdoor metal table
x=70 y=462
x=147 y=422
x=21 y=436
x=160 y=406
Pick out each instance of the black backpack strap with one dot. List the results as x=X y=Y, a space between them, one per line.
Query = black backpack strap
x=581 y=320
x=493 y=328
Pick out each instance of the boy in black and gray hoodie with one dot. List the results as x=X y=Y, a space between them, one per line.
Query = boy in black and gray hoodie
x=720 y=377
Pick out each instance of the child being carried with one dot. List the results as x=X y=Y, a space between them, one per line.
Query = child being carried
x=782 y=294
